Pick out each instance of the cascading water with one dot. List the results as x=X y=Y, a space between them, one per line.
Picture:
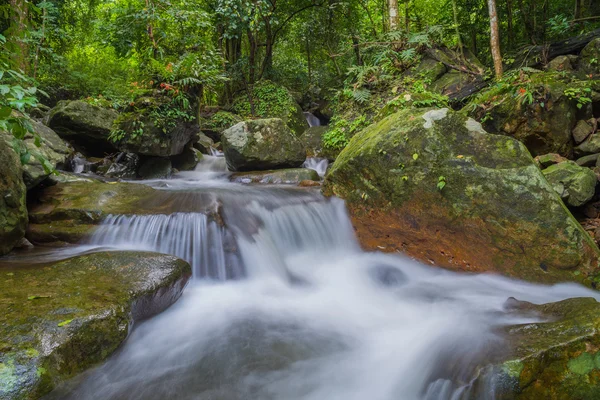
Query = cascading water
x=315 y=317
x=318 y=164
x=312 y=119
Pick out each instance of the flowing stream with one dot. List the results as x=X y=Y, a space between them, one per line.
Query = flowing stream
x=284 y=305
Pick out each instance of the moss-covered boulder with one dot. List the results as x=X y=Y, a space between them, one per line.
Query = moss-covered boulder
x=61 y=318
x=270 y=100
x=435 y=185
x=215 y=123
x=560 y=64
x=536 y=109
x=51 y=153
x=589 y=62
x=13 y=210
x=155 y=127
x=429 y=69
x=69 y=212
x=557 y=359
x=575 y=184
x=282 y=176
x=86 y=126
x=262 y=144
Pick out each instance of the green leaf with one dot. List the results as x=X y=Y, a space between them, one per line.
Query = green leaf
x=5 y=112
x=35 y=297
x=65 y=322
x=415 y=156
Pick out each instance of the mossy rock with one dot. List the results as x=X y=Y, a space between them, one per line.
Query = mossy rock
x=435 y=185
x=86 y=126
x=589 y=62
x=312 y=139
x=576 y=185
x=69 y=212
x=429 y=69
x=283 y=176
x=53 y=152
x=61 y=318
x=272 y=101
x=262 y=144
x=214 y=124
x=545 y=125
x=558 y=359
x=154 y=141
x=13 y=210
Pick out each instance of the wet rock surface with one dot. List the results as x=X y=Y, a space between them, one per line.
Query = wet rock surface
x=557 y=358
x=60 y=318
x=85 y=125
x=435 y=185
x=13 y=210
x=262 y=145
x=284 y=176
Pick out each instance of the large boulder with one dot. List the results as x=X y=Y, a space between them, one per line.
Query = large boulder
x=433 y=184
x=52 y=153
x=272 y=101
x=261 y=145
x=545 y=124
x=214 y=123
x=61 y=318
x=152 y=127
x=589 y=62
x=575 y=184
x=13 y=210
x=84 y=125
x=556 y=358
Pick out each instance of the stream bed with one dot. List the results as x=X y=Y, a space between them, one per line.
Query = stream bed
x=284 y=305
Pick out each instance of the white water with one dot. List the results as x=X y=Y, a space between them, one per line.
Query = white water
x=315 y=319
x=318 y=164
x=312 y=119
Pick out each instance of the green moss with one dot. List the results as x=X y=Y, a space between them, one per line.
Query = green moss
x=513 y=368
x=582 y=365
x=272 y=101
x=101 y=294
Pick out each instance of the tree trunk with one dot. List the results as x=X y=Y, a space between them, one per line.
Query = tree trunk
x=17 y=38
x=510 y=23
x=393 y=13
x=495 y=38
x=457 y=29
x=406 y=16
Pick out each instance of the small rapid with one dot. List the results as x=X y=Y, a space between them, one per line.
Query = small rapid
x=286 y=306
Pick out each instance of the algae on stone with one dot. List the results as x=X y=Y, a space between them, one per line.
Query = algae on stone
x=60 y=318
x=13 y=210
x=261 y=145
x=575 y=184
x=496 y=211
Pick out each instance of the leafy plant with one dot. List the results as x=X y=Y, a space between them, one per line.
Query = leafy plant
x=581 y=95
x=441 y=183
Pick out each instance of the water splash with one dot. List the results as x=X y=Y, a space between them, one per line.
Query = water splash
x=316 y=318
x=318 y=164
x=312 y=119
x=190 y=236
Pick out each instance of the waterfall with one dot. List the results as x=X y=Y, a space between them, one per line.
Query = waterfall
x=190 y=236
x=318 y=164
x=312 y=119
x=314 y=318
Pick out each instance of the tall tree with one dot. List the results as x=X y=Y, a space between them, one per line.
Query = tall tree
x=393 y=13
x=495 y=38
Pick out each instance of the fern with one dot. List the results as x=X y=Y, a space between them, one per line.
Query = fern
x=361 y=96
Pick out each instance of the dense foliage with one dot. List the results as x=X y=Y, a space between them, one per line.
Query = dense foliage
x=211 y=52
